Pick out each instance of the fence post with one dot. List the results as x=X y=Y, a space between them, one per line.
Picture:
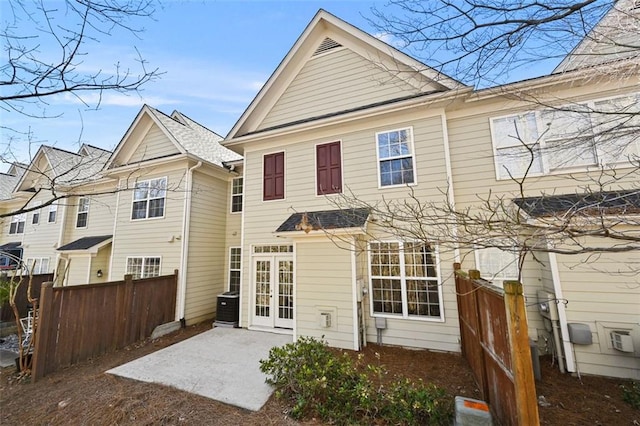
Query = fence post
x=43 y=332
x=525 y=389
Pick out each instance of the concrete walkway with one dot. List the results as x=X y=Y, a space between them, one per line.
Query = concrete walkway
x=221 y=364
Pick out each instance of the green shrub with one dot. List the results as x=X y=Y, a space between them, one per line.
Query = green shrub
x=317 y=382
x=631 y=394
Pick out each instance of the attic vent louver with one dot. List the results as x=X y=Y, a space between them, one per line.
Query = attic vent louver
x=326 y=45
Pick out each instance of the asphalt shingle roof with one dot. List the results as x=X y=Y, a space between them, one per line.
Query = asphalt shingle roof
x=7 y=185
x=10 y=246
x=327 y=219
x=84 y=243
x=609 y=202
x=195 y=138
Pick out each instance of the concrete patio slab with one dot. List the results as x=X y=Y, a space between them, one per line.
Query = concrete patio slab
x=7 y=358
x=221 y=364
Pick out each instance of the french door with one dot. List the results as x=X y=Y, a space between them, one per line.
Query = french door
x=273 y=281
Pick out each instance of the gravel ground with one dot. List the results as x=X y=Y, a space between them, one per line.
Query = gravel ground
x=9 y=343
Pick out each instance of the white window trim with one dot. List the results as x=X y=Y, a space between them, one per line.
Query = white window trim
x=144 y=261
x=542 y=140
x=53 y=208
x=284 y=188
x=37 y=267
x=315 y=174
x=230 y=269
x=36 y=213
x=241 y=194
x=413 y=158
x=497 y=278
x=405 y=315
x=17 y=219
x=133 y=200
x=78 y=212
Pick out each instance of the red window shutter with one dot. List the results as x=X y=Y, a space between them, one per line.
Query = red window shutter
x=273 y=179
x=329 y=168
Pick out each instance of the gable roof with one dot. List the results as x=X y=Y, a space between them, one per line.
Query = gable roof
x=65 y=167
x=615 y=38
x=188 y=136
x=322 y=34
x=606 y=202
x=7 y=184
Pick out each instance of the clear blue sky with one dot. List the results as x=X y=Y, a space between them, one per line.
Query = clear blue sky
x=215 y=55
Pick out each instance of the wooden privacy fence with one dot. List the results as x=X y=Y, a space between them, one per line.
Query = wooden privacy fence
x=80 y=322
x=22 y=302
x=495 y=342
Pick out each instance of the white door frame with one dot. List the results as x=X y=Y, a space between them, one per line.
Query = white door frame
x=269 y=264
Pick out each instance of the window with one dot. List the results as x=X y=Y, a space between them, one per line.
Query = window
x=235 y=263
x=83 y=212
x=35 y=219
x=404 y=280
x=517 y=146
x=17 y=224
x=497 y=265
x=395 y=157
x=236 y=195
x=328 y=169
x=53 y=211
x=273 y=177
x=143 y=267
x=568 y=137
x=148 y=198
x=38 y=265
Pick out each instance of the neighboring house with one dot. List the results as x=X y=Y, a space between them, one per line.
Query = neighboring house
x=10 y=250
x=345 y=114
x=174 y=209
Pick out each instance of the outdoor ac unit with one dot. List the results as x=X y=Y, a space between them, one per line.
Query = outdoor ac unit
x=621 y=341
x=228 y=309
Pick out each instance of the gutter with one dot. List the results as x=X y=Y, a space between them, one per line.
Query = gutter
x=186 y=212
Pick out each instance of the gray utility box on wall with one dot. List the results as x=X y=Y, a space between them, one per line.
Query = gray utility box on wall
x=228 y=309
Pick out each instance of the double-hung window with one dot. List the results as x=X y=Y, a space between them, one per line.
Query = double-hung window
x=143 y=267
x=273 y=177
x=235 y=261
x=53 y=212
x=17 y=224
x=328 y=169
x=149 y=198
x=517 y=145
x=497 y=265
x=237 y=190
x=35 y=218
x=404 y=280
x=83 y=212
x=38 y=265
x=396 y=165
x=567 y=138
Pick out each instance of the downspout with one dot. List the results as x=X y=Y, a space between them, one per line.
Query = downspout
x=355 y=296
x=244 y=255
x=450 y=193
x=63 y=221
x=186 y=212
x=562 y=314
x=113 y=234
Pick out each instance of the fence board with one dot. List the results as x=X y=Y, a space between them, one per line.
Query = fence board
x=82 y=322
x=494 y=340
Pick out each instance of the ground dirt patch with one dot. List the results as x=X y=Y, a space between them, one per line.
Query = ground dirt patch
x=85 y=395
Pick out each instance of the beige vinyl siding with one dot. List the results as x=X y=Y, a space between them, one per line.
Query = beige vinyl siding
x=207 y=251
x=78 y=270
x=334 y=82
x=150 y=237
x=360 y=175
x=41 y=240
x=99 y=220
x=603 y=292
x=100 y=262
x=155 y=144
x=324 y=284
